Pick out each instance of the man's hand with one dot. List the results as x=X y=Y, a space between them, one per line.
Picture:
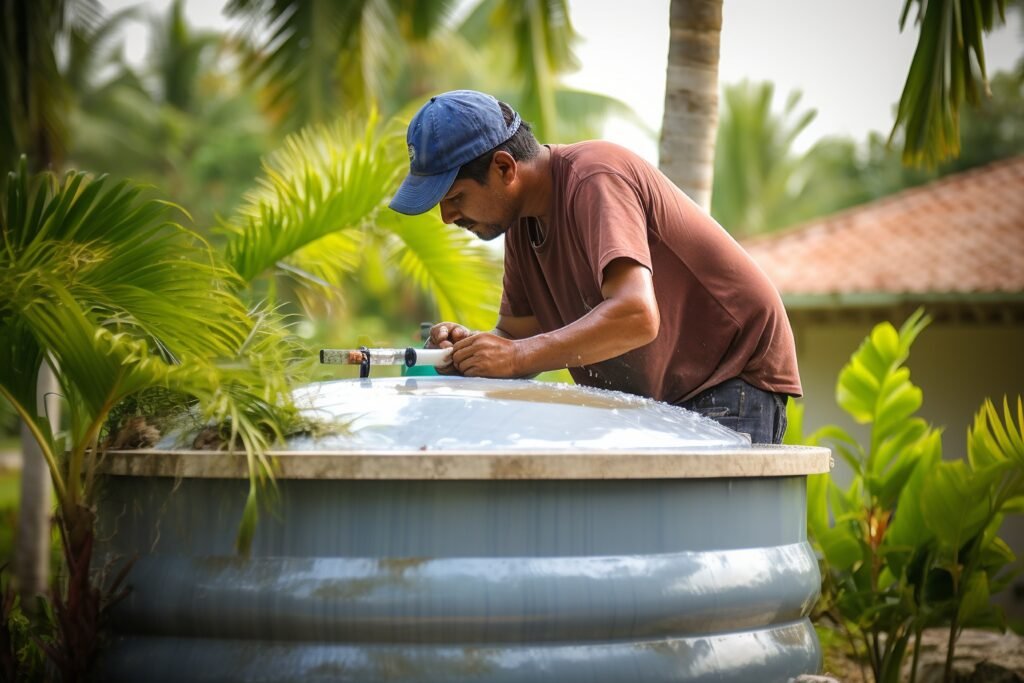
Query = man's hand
x=444 y=336
x=487 y=355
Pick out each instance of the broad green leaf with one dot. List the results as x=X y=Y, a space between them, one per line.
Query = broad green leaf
x=976 y=597
x=794 y=435
x=857 y=391
x=817 y=503
x=908 y=526
x=841 y=548
x=950 y=510
x=985 y=480
x=996 y=554
x=903 y=438
x=886 y=342
x=898 y=400
x=843 y=444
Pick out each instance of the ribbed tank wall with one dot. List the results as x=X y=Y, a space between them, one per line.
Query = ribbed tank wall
x=511 y=580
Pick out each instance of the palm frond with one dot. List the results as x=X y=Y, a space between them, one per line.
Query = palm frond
x=324 y=179
x=123 y=260
x=948 y=67
x=457 y=270
x=296 y=63
x=140 y=304
x=760 y=183
x=581 y=114
x=542 y=35
x=325 y=187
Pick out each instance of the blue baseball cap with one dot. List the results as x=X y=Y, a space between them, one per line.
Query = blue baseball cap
x=448 y=131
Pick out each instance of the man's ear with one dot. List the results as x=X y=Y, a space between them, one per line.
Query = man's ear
x=504 y=167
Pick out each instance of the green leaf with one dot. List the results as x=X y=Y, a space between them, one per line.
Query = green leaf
x=843 y=443
x=322 y=180
x=817 y=503
x=794 y=435
x=908 y=527
x=428 y=252
x=941 y=77
x=902 y=440
x=996 y=554
x=841 y=548
x=898 y=400
x=989 y=441
x=976 y=598
x=857 y=391
x=951 y=511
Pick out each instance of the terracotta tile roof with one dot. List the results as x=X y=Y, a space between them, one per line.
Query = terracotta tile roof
x=962 y=234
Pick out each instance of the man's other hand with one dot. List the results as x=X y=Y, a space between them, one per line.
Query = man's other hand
x=487 y=355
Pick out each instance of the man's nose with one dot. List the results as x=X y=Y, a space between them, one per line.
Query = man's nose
x=448 y=214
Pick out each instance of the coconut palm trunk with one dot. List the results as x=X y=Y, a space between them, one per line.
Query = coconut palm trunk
x=691 y=97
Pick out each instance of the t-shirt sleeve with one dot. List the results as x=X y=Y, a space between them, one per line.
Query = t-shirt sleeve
x=514 y=302
x=611 y=223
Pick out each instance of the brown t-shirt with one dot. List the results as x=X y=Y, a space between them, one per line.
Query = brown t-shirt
x=720 y=315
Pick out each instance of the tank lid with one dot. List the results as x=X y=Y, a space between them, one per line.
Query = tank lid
x=490 y=415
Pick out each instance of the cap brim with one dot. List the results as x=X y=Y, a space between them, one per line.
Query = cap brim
x=420 y=193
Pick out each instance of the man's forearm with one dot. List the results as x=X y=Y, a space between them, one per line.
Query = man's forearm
x=609 y=330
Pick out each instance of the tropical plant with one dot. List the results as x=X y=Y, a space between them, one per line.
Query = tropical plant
x=320 y=207
x=913 y=541
x=117 y=299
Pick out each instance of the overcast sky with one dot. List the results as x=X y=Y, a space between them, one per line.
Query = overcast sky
x=846 y=56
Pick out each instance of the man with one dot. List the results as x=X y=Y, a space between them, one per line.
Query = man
x=610 y=270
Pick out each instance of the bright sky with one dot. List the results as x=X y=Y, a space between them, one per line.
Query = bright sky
x=846 y=56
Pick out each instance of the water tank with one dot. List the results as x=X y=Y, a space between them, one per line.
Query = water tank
x=455 y=529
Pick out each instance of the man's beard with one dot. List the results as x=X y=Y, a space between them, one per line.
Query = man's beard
x=485 y=231
x=492 y=231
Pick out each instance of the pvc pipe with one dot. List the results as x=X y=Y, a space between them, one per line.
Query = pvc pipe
x=407 y=357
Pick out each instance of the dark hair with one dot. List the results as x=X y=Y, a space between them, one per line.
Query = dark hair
x=522 y=146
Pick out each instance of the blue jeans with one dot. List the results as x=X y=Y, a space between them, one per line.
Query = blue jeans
x=743 y=408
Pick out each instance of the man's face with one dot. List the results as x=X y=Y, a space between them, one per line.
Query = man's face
x=487 y=211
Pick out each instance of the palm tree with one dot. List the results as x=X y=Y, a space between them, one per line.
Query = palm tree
x=32 y=93
x=760 y=183
x=941 y=76
x=35 y=98
x=318 y=59
x=183 y=122
x=117 y=299
x=688 y=126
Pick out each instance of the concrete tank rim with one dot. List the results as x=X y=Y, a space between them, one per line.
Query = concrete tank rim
x=754 y=461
